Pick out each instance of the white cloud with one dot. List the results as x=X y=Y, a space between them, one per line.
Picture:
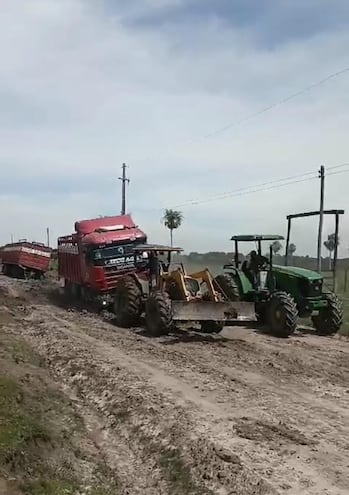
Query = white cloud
x=83 y=91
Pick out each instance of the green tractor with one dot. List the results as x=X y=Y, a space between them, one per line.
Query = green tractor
x=281 y=294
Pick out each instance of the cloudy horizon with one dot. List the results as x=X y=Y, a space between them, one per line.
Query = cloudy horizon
x=86 y=86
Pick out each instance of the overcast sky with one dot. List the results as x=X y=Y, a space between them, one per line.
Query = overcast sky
x=87 y=85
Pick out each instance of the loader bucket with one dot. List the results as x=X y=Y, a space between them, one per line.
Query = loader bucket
x=213 y=311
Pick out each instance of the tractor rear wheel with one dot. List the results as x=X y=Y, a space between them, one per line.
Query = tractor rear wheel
x=211 y=327
x=330 y=319
x=229 y=286
x=158 y=313
x=281 y=314
x=127 y=302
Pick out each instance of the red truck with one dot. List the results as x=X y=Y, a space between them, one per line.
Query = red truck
x=25 y=259
x=97 y=256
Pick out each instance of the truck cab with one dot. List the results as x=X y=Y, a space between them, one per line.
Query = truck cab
x=98 y=253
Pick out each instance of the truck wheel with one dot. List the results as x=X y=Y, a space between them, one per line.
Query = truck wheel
x=281 y=314
x=158 y=313
x=330 y=319
x=228 y=284
x=211 y=327
x=127 y=302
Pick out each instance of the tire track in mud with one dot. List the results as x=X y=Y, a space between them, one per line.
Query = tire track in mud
x=239 y=411
x=143 y=413
x=184 y=381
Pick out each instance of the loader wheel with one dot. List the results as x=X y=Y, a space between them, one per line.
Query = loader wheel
x=281 y=314
x=127 y=302
x=330 y=319
x=211 y=327
x=229 y=286
x=158 y=313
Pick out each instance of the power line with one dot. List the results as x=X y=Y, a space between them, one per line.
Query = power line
x=339 y=172
x=278 y=103
x=275 y=184
x=244 y=193
x=229 y=193
x=261 y=111
x=267 y=186
x=338 y=166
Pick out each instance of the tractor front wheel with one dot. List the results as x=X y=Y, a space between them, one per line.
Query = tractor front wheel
x=330 y=319
x=229 y=286
x=127 y=302
x=281 y=314
x=158 y=313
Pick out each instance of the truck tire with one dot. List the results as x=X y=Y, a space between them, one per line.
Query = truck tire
x=127 y=302
x=329 y=320
x=158 y=313
x=229 y=286
x=281 y=314
x=211 y=327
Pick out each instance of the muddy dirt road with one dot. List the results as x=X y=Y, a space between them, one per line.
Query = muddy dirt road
x=238 y=413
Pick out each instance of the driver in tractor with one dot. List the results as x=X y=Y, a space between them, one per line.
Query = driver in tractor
x=154 y=268
x=256 y=263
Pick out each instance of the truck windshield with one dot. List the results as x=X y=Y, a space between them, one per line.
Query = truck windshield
x=112 y=252
x=120 y=257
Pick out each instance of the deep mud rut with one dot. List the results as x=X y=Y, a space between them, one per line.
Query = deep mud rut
x=237 y=413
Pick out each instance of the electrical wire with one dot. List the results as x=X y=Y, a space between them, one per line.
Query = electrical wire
x=278 y=103
x=338 y=166
x=267 y=186
x=191 y=201
x=245 y=192
x=257 y=113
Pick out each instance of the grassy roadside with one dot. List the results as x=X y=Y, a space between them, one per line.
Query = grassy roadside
x=44 y=449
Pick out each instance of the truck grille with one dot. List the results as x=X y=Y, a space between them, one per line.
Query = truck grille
x=112 y=275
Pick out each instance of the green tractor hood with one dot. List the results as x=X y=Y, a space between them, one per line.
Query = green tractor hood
x=294 y=271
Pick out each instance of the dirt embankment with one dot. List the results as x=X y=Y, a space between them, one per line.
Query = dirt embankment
x=238 y=413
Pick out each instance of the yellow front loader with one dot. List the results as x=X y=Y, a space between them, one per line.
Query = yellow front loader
x=173 y=296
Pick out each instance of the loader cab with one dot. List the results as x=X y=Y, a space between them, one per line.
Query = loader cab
x=158 y=257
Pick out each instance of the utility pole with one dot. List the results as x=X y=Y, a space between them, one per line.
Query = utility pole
x=48 y=236
x=11 y=238
x=124 y=179
x=321 y=218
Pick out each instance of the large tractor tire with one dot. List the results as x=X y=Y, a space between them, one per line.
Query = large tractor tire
x=211 y=327
x=158 y=313
x=229 y=286
x=330 y=319
x=127 y=302
x=281 y=314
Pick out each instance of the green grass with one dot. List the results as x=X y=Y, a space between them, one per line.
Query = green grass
x=18 y=429
x=49 y=487
x=39 y=429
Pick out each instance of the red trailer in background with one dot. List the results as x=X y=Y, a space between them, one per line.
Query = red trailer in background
x=25 y=259
x=96 y=257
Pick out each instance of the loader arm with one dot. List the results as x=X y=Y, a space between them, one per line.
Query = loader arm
x=205 y=276
x=175 y=277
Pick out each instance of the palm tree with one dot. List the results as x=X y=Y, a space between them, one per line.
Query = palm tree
x=172 y=220
x=330 y=245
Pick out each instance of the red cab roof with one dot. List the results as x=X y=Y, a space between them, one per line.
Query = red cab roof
x=109 y=229
x=89 y=226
